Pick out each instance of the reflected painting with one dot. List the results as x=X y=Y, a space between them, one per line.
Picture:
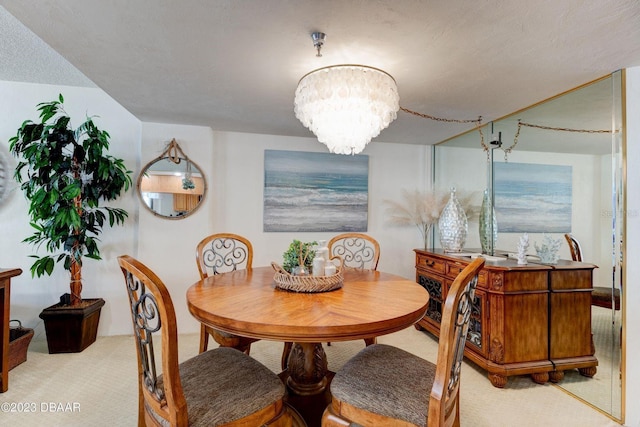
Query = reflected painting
x=533 y=198
x=307 y=191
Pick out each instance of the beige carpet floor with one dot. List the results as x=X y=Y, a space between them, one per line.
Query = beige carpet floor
x=604 y=390
x=98 y=386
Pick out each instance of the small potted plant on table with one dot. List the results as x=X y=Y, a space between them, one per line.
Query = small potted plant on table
x=66 y=175
x=298 y=258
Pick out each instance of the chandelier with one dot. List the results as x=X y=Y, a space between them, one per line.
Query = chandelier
x=346 y=106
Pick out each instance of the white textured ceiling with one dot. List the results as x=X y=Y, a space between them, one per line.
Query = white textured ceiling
x=234 y=65
x=24 y=57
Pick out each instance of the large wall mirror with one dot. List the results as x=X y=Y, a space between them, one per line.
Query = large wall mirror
x=576 y=150
x=172 y=186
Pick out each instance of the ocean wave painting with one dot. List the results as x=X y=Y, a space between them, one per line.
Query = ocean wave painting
x=533 y=198
x=306 y=191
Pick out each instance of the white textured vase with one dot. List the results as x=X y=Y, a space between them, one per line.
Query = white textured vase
x=453 y=225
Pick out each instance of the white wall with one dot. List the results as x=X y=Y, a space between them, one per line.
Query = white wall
x=168 y=246
x=233 y=166
x=239 y=165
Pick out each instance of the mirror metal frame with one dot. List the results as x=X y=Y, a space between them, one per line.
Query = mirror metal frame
x=174 y=153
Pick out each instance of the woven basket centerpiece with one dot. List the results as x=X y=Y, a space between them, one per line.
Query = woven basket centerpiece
x=287 y=281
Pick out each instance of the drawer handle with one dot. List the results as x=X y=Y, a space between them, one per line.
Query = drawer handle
x=429 y=263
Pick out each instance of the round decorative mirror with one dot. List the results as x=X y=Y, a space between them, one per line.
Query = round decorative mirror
x=172 y=186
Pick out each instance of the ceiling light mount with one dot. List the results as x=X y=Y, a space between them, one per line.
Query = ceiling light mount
x=318 y=40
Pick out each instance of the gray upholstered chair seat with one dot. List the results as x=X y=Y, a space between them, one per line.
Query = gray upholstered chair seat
x=384 y=385
x=377 y=380
x=223 y=386
x=236 y=386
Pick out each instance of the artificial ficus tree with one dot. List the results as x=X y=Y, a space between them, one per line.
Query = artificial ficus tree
x=67 y=175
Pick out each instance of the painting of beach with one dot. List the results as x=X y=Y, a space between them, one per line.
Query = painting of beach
x=533 y=198
x=306 y=191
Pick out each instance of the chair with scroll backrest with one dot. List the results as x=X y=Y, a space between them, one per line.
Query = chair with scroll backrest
x=357 y=250
x=222 y=253
x=601 y=296
x=222 y=386
x=386 y=386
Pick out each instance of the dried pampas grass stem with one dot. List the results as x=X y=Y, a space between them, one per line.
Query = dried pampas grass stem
x=422 y=209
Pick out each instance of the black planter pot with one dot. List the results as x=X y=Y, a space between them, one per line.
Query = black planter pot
x=71 y=329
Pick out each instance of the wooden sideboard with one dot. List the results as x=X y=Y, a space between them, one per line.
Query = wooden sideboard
x=533 y=319
x=5 y=294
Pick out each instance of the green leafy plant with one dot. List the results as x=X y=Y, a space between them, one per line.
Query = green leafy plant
x=66 y=175
x=299 y=253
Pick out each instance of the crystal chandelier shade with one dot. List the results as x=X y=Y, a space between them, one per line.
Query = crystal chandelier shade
x=346 y=106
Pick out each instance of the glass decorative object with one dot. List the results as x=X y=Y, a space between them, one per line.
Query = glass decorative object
x=453 y=225
x=346 y=105
x=488 y=225
x=300 y=270
x=548 y=251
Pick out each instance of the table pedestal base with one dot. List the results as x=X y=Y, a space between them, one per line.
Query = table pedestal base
x=307 y=367
x=309 y=407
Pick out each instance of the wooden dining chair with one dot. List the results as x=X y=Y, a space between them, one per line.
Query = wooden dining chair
x=357 y=250
x=386 y=386
x=222 y=386
x=601 y=296
x=222 y=253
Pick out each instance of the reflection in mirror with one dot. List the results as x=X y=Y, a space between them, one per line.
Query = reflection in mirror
x=578 y=138
x=172 y=186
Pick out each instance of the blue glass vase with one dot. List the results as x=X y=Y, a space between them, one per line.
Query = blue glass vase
x=488 y=225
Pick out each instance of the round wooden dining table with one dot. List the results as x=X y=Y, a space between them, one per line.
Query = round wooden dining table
x=248 y=303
